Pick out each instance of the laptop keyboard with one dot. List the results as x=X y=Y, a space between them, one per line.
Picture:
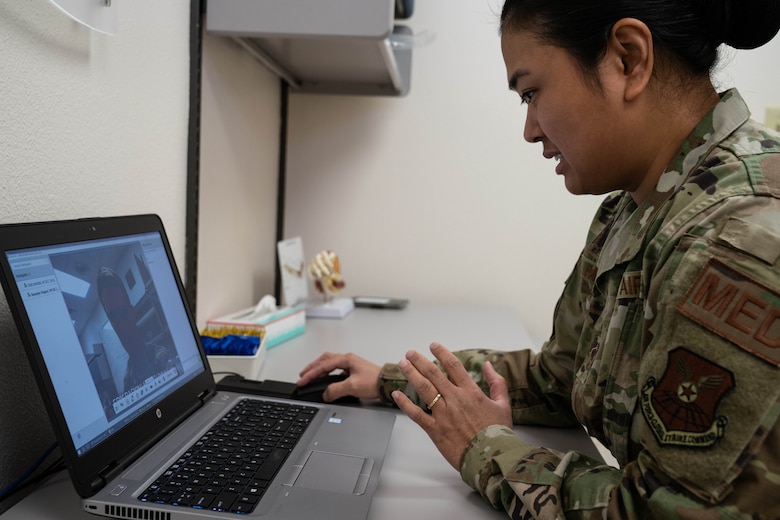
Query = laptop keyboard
x=231 y=466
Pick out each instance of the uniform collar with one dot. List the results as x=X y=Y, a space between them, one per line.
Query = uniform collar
x=631 y=222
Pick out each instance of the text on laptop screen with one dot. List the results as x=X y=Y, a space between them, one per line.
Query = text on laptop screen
x=111 y=326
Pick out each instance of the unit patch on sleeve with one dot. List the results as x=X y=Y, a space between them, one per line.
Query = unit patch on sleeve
x=681 y=409
x=736 y=307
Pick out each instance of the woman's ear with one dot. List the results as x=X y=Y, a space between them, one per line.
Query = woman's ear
x=631 y=45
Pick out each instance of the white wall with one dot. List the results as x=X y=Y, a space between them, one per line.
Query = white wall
x=238 y=178
x=436 y=196
x=92 y=125
x=754 y=73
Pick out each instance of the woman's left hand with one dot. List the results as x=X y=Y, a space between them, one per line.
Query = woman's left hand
x=462 y=410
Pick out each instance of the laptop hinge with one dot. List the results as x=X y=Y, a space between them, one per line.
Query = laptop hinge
x=105 y=475
x=205 y=394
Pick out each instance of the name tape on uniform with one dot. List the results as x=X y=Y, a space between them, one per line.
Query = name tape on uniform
x=736 y=307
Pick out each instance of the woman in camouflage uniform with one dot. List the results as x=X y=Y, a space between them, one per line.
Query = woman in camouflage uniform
x=666 y=340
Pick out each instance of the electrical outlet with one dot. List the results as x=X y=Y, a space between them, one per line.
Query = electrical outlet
x=772 y=118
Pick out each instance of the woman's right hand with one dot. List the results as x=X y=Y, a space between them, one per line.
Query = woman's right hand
x=362 y=380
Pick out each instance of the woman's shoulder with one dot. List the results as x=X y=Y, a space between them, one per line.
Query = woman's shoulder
x=755 y=150
x=746 y=164
x=753 y=139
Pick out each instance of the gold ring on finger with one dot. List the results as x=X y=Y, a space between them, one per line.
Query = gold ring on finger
x=435 y=400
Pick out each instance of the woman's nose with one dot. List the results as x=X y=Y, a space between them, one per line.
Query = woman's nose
x=532 y=132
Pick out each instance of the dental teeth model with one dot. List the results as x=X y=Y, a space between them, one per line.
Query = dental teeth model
x=325 y=270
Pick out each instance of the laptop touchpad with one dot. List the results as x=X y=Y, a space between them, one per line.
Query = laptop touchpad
x=335 y=473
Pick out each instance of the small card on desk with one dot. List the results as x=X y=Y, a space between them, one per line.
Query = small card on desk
x=294 y=283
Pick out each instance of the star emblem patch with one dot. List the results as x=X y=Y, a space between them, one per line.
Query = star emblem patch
x=682 y=408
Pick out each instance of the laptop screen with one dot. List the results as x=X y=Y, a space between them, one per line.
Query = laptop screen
x=111 y=326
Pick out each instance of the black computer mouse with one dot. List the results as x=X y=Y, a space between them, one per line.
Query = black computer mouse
x=314 y=390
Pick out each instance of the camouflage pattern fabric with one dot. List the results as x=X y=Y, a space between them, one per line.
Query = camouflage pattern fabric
x=665 y=346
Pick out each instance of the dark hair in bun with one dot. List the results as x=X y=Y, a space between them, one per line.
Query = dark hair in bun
x=686 y=32
x=744 y=24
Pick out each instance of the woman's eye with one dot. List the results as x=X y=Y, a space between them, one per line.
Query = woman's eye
x=527 y=96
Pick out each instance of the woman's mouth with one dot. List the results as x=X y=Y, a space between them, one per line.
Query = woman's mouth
x=559 y=167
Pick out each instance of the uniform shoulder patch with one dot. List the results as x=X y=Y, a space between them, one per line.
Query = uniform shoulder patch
x=681 y=409
x=736 y=307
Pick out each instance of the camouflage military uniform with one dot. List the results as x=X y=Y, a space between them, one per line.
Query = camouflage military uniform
x=666 y=347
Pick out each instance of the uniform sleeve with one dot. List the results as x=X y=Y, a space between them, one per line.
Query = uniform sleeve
x=533 y=482
x=535 y=393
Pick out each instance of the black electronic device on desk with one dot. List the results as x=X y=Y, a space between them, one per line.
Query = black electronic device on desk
x=311 y=392
x=380 y=302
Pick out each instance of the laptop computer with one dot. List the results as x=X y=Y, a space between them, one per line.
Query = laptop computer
x=106 y=326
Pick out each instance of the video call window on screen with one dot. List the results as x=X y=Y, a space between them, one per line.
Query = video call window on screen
x=117 y=316
x=108 y=314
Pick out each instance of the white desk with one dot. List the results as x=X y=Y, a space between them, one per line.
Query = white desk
x=416 y=482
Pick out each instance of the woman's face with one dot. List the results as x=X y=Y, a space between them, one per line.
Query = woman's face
x=577 y=122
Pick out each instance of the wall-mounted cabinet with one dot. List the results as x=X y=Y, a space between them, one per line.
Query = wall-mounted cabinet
x=321 y=46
